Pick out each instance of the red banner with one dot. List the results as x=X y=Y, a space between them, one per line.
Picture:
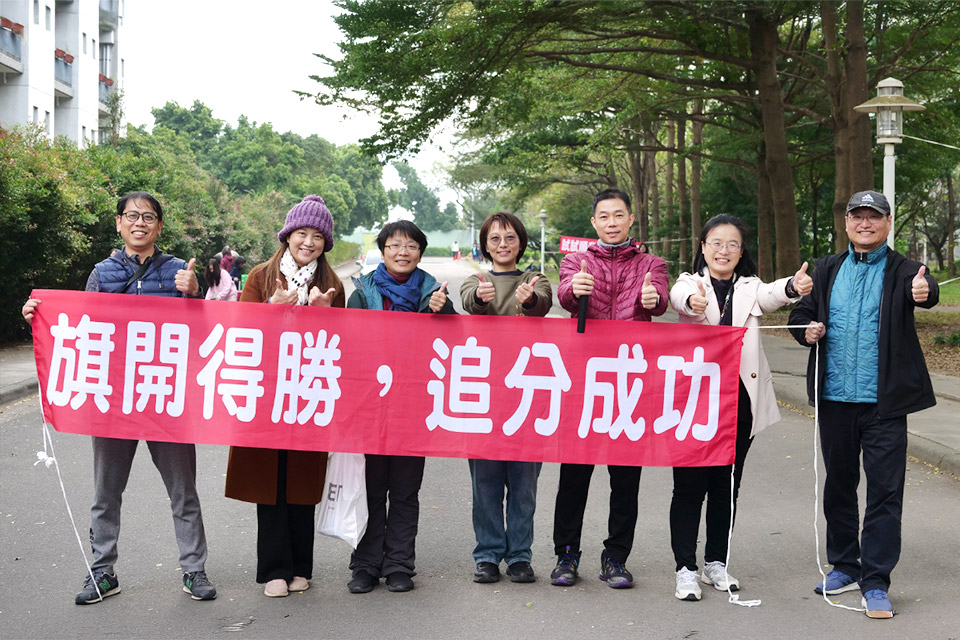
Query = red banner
x=278 y=376
x=573 y=244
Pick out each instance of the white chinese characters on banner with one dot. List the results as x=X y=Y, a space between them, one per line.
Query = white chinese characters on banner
x=626 y=396
x=316 y=381
x=555 y=384
x=459 y=387
x=244 y=351
x=696 y=370
x=83 y=369
x=144 y=379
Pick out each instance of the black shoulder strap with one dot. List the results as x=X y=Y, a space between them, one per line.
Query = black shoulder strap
x=139 y=274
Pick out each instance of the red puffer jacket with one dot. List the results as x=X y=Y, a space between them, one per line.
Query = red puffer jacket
x=618 y=274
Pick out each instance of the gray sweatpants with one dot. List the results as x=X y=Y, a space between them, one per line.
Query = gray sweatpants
x=177 y=463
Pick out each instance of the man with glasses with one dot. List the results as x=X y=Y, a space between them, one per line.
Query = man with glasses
x=619 y=282
x=871 y=375
x=142 y=269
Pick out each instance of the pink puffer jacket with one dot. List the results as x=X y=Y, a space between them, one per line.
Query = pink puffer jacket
x=618 y=274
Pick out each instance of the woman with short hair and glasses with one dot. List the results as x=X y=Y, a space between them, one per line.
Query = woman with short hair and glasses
x=724 y=290
x=504 y=291
x=388 y=548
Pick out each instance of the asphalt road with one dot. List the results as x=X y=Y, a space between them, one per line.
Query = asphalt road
x=773 y=555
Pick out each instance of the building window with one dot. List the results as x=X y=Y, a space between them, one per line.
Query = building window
x=48 y=18
x=36 y=11
x=36 y=115
x=123 y=65
x=94 y=52
x=83 y=135
x=84 y=42
x=46 y=121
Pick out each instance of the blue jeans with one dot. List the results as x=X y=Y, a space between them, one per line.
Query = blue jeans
x=494 y=541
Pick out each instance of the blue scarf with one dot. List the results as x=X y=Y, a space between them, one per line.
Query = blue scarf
x=403 y=296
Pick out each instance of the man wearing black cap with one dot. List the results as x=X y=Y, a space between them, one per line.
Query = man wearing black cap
x=871 y=375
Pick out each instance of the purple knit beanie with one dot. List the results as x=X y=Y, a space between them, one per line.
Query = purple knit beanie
x=310 y=212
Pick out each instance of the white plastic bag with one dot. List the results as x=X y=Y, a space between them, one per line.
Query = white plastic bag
x=343 y=509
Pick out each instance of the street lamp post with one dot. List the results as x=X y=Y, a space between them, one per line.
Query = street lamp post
x=889 y=106
x=543 y=236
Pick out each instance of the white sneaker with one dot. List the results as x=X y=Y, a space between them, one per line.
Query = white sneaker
x=715 y=573
x=687 y=587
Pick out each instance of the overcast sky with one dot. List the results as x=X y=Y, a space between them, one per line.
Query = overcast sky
x=237 y=58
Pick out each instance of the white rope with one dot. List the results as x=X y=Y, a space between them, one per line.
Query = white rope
x=816 y=477
x=948 y=281
x=50 y=459
x=733 y=597
x=816 y=468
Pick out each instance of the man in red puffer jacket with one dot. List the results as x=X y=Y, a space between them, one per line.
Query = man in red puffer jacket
x=623 y=283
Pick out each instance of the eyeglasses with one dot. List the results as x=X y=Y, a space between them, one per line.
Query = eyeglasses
x=873 y=218
x=716 y=245
x=396 y=248
x=133 y=216
x=494 y=241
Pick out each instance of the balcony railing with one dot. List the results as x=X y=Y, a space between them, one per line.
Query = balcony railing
x=11 y=43
x=109 y=13
x=63 y=71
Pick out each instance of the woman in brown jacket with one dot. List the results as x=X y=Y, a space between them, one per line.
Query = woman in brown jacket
x=287 y=485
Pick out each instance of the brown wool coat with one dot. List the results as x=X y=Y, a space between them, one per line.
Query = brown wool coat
x=252 y=473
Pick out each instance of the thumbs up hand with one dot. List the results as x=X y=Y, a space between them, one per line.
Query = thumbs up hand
x=802 y=283
x=317 y=299
x=582 y=281
x=524 y=292
x=649 y=298
x=920 y=288
x=485 y=292
x=698 y=301
x=186 y=280
x=283 y=296
x=438 y=298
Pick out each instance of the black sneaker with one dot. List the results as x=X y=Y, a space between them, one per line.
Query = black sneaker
x=107 y=582
x=565 y=574
x=487 y=572
x=399 y=582
x=362 y=582
x=615 y=574
x=521 y=572
x=199 y=586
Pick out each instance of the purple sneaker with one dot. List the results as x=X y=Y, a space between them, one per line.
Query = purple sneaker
x=615 y=574
x=565 y=574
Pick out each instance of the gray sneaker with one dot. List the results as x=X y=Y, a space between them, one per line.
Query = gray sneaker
x=107 y=583
x=198 y=586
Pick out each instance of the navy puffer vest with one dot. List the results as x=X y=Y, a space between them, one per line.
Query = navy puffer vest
x=158 y=280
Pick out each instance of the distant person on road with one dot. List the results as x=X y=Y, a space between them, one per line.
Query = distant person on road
x=871 y=375
x=287 y=485
x=142 y=269
x=219 y=284
x=455 y=250
x=504 y=291
x=724 y=290
x=388 y=548
x=622 y=284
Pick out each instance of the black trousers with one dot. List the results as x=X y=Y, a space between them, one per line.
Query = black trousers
x=572 y=502
x=389 y=545
x=692 y=484
x=846 y=431
x=284 y=535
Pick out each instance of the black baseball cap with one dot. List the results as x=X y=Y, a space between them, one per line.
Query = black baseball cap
x=870 y=199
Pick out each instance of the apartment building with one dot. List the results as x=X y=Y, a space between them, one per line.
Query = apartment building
x=59 y=61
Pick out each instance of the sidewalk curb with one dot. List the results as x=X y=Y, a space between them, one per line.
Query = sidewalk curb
x=938 y=455
x=17 y=390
